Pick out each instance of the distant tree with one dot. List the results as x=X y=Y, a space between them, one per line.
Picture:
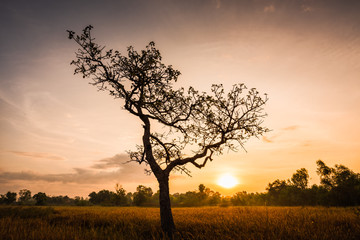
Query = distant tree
x=9 y=198
x=214 y=198
x=129 y=198
x=59 y=200
x=40 y=198
x=80 y=201
x=202 y=194
x=240 y=199
x=24 y=196
x=197 y=123
x=93 y=198
x=201 y=188
x=154 y=200
x=142 y=195
x=106 y=198
x=343 y=184
x=279 y=192
x=325 y=173
x=300 y=179
x=208 y=197
x=120 y=198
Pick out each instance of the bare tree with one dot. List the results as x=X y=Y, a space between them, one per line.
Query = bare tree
x=196 y=126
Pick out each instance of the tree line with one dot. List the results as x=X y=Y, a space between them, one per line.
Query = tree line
x=339 y=186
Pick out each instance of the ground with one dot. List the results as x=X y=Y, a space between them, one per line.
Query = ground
x=192 y=223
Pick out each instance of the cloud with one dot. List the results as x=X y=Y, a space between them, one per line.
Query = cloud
x=40 y=155
x=218 y=3
x=80 y=176
x=265 y=139
x=110 y=169
x=306 y=8
x=269 y=9
x=291 y=128
x=278 y=134
x=116 y=161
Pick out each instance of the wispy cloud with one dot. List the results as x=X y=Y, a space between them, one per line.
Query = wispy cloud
x=116 y=161
x=218 y=3
x=41 y=155
x=279 y=133
x=269 y=9
x=129 y=172
x=265 y=139
x=291 y=128
x=307 y=8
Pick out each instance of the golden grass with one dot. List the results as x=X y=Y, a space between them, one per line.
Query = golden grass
x=192 y=223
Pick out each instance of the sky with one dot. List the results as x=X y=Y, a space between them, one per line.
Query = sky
x=61 y=136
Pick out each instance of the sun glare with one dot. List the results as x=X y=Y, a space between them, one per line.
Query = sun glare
x=227 y=181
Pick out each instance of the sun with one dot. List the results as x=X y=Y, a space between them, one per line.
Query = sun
x=227 y=181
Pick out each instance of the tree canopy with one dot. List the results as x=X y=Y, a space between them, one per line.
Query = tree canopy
x=205 y=123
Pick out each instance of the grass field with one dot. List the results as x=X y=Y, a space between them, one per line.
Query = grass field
x=192 y=223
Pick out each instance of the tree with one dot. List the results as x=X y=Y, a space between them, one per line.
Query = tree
x=196 y=126
x=325 y=173
x=276 y=192
x=40 y=198
x=142 y=195
x=9 y=197
x=300 y=179
x=120 y=197
x=24 y=196
x=343 y=184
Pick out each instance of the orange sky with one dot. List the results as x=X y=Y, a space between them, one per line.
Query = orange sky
x=60 y=136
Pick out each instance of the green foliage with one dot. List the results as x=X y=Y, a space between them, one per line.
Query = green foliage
x=203 y=197
x=108 y=198
x=248 y=199
x=142 y=196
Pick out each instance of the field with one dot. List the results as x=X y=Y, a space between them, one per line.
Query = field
x=192 y=223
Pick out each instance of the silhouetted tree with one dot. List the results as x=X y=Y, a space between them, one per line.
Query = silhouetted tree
x=60 y=200
x=80 y=201
x=24 y=196
x=205 y=124
x=107 y=198
x=325 y=174
x=8 y=198
x=202 y=195
x=300 y=179
x=240 y=199
x=343 y=184
x=40 y=198
x=201 y=188
x=120 y=198
x=277 y=192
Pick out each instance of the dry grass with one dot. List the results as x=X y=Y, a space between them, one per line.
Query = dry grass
x=192 y=223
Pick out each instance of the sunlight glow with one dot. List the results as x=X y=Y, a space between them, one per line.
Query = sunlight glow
x=227 y=181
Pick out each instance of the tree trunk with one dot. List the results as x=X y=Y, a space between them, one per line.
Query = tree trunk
x=167 y=221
